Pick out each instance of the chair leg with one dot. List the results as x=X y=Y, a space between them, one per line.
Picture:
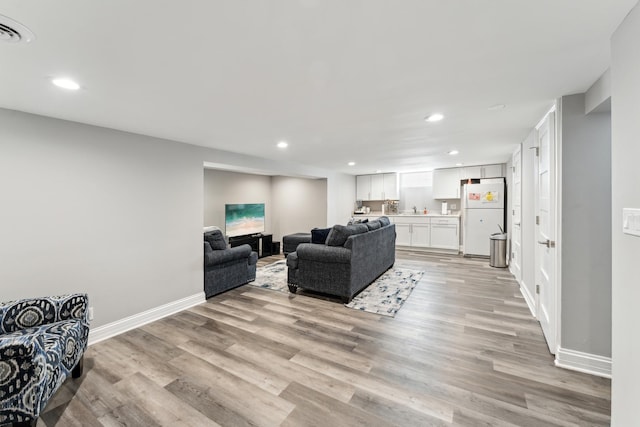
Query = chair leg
x=77 y=370
x=293 y=288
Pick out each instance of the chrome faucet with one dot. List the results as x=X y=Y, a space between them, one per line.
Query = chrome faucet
x=415 y=210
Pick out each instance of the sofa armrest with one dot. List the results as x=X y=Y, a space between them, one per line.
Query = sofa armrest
x=33 y=312
x=226 y=255
x=323 y=253
x=292 y=260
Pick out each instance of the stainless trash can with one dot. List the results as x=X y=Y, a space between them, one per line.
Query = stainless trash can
x=498 y=254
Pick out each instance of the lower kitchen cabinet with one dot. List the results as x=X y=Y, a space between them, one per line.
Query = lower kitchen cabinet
x=445 y=233
x=427 y=232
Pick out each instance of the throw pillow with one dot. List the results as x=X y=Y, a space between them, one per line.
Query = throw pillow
x=216 y=240
x=319 y=235
x=340 y=233
x=374 y=225
x=384 y=221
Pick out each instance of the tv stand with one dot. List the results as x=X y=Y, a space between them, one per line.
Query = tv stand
x=261 y=243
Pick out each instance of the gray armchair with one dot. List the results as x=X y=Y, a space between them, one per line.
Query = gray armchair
x=226 y=268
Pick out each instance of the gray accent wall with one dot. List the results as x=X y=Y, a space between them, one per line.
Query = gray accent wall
x=89 y=209
x=299 y=205
x=111 y=213
x=625 y=109
x=225 y=187
x=586 y=228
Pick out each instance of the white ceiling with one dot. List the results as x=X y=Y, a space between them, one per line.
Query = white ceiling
x=340 y=80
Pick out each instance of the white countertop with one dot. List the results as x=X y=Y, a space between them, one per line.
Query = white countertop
x=430 y=214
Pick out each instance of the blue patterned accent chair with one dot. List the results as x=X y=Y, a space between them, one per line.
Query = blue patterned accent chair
x=42 y=343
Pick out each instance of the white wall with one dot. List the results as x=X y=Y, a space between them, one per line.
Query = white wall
x=625 y=108
x=224 y=187
x=341 y=190
x=416 y=189
x=299 y=205
x=88 y=209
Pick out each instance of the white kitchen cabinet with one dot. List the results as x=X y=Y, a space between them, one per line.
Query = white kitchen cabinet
x=471 y=172
x=493 y=171
x=445 y=233
x=483 y=171
x=421 y=235
x=390 y=189
x=413 y=231
x=363 y=187
x=377 y=187
x=403 y=234
x=446 y=183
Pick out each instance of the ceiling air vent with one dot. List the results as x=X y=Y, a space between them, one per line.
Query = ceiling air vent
x=14 y=32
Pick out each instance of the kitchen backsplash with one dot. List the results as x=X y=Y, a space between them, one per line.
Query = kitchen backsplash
x=420 y=197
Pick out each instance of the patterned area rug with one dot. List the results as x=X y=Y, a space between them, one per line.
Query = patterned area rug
x=385 y=296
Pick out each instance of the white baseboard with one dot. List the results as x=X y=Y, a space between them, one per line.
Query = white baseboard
x=123 y=325
x=530 y=300
x=583 y=362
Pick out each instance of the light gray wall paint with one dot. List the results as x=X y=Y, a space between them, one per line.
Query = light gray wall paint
x=598 y=94
x=223 y=187
x=114 y=214
x=586 y=228
x=625 y=108
x=529 y=173
x=88 y=209
x=298 y=205
x=341 y=189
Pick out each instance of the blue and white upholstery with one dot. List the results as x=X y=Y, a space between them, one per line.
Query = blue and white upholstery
x=42 y=341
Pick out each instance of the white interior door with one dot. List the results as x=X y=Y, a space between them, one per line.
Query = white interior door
x=515 y=264
x=545 y=232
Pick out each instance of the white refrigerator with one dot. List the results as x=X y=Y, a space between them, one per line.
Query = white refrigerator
x=483 y=214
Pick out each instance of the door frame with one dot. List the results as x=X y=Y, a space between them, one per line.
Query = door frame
x=557 y=217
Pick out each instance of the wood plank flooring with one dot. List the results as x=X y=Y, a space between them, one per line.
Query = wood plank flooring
x=464 y=350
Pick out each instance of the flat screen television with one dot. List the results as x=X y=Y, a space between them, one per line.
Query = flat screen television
x=244 y=219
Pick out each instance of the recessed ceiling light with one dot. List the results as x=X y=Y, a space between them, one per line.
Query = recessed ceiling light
x=496 y=107
x=283 y=144
x=452 y=152
x=66 y=84
x=351 y=163
x=435 y=117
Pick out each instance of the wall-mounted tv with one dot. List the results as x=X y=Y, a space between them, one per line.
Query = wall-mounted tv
x=244 y=219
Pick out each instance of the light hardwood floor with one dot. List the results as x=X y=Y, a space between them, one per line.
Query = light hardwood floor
x=463 y=350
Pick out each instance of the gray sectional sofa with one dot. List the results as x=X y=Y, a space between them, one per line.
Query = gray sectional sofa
x=352 y=257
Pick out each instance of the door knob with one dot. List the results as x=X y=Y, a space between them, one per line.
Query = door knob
x=548 y=243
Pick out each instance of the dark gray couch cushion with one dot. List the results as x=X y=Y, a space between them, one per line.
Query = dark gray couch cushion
x=340 y=233
x=215 y=239
x=319 y=235
x=374 y=225
x=384 y=221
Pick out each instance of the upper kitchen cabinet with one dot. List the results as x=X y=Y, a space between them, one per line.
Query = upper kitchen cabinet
x=446 y=183
x=363 y=187
x=377 y=187
x=484 y=171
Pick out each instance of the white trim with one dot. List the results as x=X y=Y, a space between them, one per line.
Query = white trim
x=529 y=299
x=112 y=329
x=583 y=362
